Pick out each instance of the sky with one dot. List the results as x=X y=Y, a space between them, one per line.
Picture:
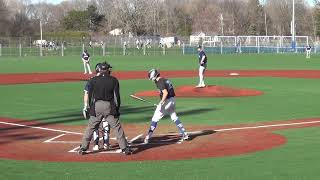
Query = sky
x=59 y=1
x=49 y=1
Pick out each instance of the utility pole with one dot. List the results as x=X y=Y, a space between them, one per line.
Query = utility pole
x=167 y=21
x=293 y=26
x=265 y=18
x=41 y=17
x=41 y=37
x=221 y=24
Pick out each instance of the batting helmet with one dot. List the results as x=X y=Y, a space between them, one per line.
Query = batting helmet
x=153 y=74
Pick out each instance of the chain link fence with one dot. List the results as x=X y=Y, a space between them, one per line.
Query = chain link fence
x=143 y=46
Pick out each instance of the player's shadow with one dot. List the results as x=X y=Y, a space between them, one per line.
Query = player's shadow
x=16 y=137
x=74 y=116
x=165 y=140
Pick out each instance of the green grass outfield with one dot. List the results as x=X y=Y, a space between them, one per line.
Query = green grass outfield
x=284 y=99
x=132 y=63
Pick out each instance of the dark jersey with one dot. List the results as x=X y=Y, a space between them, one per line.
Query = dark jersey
x=105 y=88
x=308 y=47
x=201 y=54
x=87 y=87
x=165 y=84
x=85 y=56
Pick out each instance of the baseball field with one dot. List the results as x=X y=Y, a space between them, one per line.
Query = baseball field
x=258 y=118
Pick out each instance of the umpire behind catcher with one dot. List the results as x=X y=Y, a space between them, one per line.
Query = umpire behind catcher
x=104 y=99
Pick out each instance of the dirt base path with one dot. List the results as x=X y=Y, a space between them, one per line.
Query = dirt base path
x=31 y=140
x=29 y=78
x=24 y=140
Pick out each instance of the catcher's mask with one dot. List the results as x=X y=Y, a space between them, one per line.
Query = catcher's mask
x=98 y=67
x=104 y=68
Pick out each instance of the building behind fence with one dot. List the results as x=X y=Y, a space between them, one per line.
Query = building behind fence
x=152 y=45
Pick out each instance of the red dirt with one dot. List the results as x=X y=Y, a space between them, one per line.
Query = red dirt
x=208 y=91
x=25 y=143
x=28 y=78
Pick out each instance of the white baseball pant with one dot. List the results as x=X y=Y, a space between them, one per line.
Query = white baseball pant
x=202 y=70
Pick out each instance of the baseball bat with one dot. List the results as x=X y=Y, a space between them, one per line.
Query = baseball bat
x=141 y=99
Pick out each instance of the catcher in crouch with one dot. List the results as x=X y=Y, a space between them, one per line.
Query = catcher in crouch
x=167 y=105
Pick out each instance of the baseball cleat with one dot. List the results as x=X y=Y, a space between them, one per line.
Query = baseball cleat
x=81 y=151
x=198 y=86
x=146 y=140
x=185 y=137
x=106 y=146
x=95 y=148
x=127 y=151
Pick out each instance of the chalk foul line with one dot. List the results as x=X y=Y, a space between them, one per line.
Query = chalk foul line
x=53 y=140
x=140 y=135
x=266 y=126
x=41 y=128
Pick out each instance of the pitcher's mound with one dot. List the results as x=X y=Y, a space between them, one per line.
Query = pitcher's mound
x=208 y=91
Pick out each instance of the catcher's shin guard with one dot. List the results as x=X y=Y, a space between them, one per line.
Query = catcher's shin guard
x=106 y=131
x=96 y=137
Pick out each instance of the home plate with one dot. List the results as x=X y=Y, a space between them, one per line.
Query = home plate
x=234 y=74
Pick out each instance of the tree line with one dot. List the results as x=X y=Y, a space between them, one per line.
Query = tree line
x=160 y=17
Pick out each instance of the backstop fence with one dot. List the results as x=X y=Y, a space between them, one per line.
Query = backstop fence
x=151 y=45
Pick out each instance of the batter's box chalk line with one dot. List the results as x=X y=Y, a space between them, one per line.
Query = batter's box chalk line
x=54 y=140
x=131 y=142
x=195 y=133
x=75 y=150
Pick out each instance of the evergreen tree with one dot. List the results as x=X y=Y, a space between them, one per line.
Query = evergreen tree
x=256 y=18
x=88 y=19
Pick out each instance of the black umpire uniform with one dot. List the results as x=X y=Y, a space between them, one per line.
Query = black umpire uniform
x=104 y=99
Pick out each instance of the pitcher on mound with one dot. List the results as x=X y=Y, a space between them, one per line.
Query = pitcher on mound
x=202 y=68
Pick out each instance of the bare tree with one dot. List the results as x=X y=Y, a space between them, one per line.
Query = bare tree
x=207 y=18
x=4 y=17
x=235 y=17
x=173 y=17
